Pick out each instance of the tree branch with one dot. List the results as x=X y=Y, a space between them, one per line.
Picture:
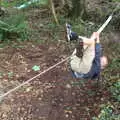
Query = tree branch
x=53 y=12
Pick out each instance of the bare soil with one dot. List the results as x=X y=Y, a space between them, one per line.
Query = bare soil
x=53 y=96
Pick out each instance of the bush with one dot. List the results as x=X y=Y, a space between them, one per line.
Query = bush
x=107 y=113
x=16 y=3
x=13 y=3
x=13 y=27
x=115 y=90
x=115 y=63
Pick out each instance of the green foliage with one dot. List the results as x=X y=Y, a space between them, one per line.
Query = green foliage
x=83 y=28
x=115 y=64
x=43 y=2
x=13 y=26
x=9 y=74
x=36 y=68
x=107 y=113
x=77 y=9
x=5 y=3
x=116 y=0
x=1 y=74
x=115 y=90
x=34 y=3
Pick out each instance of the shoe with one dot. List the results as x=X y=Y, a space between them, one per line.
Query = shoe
x=68 y=32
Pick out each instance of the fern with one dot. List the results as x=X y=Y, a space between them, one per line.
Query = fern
x=13 y=27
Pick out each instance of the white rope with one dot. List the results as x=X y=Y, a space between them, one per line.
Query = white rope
x=29 y=80
x=102 y=27
x=99 y=30
x=105 y=24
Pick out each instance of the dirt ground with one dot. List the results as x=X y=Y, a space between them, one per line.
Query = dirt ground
x=55 y=95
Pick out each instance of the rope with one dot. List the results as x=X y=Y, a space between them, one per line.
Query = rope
x=29 y=80
x=102 y=27
x=107 y=21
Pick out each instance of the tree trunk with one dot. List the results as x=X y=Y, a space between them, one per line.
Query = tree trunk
x=78 y=9
x=53 y=12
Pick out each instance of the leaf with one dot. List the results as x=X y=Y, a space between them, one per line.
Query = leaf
x=43 y=2
x=10 y=74
x=36 y=68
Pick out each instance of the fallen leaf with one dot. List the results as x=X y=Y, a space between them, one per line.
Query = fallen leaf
x=36 y=68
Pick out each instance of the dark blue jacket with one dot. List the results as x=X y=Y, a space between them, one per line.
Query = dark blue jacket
x=96 y=67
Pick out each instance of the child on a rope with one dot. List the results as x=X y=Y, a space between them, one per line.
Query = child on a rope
x=87 y=59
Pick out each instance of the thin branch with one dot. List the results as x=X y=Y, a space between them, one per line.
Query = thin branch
x=53 y=12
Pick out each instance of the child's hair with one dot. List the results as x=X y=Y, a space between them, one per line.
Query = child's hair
x=79 y=48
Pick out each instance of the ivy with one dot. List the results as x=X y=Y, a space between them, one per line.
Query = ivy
x=107 y=113
x=115 y=90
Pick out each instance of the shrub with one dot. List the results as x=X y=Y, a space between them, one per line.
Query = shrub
x=13 y=3
x=115 y=90
x=13 y=26
x=115 y=63
x=107 y=113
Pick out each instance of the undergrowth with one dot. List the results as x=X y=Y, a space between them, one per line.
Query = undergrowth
x=13 y=27
x=16 y=3
x=107 y=113
x=111 y=76
x=115 y=90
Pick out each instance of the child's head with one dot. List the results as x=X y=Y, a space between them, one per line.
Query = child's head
x=103 y=61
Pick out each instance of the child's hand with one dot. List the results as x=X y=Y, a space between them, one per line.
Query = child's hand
x=95 y=35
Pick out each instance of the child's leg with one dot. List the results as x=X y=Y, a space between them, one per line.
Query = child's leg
x=70 y=34
x=73 y=36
